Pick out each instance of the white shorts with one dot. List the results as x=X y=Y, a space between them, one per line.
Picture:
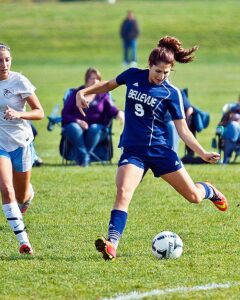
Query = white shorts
x=22 y=158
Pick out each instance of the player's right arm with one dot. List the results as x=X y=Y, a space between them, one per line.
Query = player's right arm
x=100 y=87
x=189 y=139
x=36 y=112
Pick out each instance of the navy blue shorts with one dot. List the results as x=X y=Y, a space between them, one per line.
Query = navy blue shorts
x=161 y=160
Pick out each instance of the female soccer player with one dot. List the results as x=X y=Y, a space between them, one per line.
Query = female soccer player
x=16 y=151
x=145 y=139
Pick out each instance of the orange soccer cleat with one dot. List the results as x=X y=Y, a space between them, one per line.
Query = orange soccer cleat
x=218 y=199
x=106 y=248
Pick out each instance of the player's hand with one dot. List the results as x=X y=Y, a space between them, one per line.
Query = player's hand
x=11 y=114
x=211 y=157
x=81 y=102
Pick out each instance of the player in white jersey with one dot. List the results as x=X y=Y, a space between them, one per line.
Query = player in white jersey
x=16 y=150
x=149 y=96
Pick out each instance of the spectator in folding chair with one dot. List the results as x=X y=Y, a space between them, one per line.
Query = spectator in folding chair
x=231 y=130
x=85 y=132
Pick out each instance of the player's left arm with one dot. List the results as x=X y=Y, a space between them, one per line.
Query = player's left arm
x=189 y=139
x=100 y=87
x=36 y=112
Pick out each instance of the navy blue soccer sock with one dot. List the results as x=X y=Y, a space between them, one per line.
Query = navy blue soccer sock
x=209 y=192
x=116 y=225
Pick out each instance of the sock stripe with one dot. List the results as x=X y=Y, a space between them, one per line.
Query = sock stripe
x=113 y=234
x=116 y=225
x=209 y=192
x=14 y=219
x=19 y=231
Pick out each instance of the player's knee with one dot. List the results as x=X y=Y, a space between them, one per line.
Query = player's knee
x=123 y=195
x=7 y=192
x=194 y=198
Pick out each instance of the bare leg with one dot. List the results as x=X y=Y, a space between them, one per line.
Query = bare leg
x=128 y=178
x=183 y=184
x=10 y=206
x=196 y=192
x=21 y=182
x=6 y=181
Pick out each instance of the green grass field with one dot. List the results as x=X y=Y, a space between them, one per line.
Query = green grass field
x=53 y=44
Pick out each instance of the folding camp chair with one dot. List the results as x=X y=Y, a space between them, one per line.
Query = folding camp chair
x=103 y=152
x=219 y=142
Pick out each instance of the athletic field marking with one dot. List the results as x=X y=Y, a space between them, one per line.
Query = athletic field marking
x=210 y=286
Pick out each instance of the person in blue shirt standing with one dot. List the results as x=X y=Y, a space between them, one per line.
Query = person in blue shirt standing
x=144 y=139
x=129 y=32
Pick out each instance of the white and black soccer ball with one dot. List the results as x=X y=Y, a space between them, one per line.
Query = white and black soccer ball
x=166 y=245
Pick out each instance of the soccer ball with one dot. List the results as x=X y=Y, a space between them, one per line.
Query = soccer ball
x=167 y=244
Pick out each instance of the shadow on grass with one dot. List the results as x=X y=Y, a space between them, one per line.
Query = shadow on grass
x=16 y=257
x=19 y=257
x=74 y=165
x=94 y=164
x=56 y=258
x=55 y=165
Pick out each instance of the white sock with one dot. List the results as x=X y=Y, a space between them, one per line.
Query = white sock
x=14 y=217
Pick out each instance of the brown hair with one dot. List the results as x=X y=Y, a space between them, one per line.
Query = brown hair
x=169 y=50
x=90 y=71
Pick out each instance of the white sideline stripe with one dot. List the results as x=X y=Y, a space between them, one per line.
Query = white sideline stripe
x=210 y=286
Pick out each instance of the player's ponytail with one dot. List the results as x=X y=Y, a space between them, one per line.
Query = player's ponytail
x=169 y=50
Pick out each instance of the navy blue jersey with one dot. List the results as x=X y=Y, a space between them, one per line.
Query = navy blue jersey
x=145 y=107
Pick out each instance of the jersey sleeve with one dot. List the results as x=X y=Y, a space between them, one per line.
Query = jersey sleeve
x=24 y=87
x=124 y=76
x=175 y=106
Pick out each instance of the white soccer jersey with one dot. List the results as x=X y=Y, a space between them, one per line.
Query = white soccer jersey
x=13 y=91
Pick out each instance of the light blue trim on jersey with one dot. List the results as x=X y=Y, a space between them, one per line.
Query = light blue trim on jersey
x=169 y=93
x=180 y=96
